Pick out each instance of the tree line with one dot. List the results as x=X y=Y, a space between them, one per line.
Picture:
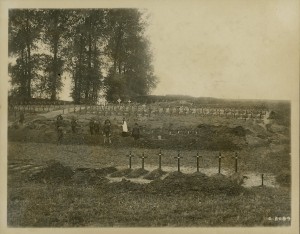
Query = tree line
x=104 y=51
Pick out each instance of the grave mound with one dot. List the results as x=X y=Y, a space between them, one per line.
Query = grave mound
x=125 y=186
x=54 y=172
x=121 y=173
x=178 y=183
x=238 y=178
x=155 y=174
x=137 y=173
x=99 y=171
x=88 y=177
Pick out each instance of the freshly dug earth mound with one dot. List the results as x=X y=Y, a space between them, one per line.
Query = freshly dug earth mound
x=178 y=183
x=155 y=174
x=125 y=186
x=137 y=173
x=240 y=131
x=54 y=172
x=121 y=173
x=88 y=177
x=105 y=171
x=238 y=178
x=99 y=171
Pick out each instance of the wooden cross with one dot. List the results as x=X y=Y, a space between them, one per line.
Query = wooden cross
x=143 y=158
x=130 y=156
x=178 y=160
x=236 y=161
x=220 y=158
x=159 y=159
x=119 y=101
x=262 y=179
x=198 y=156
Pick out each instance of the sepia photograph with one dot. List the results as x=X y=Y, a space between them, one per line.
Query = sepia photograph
x=131 y=114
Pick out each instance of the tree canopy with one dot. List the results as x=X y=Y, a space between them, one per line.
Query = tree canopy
x=104 y=51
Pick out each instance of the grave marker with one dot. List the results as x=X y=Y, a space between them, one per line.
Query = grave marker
x=198 y=156
x=143 y=158
x=119 y=101
x=159 y=159
x=220 y=158
x=236 y=161
x=130 y=156
x=178 y=160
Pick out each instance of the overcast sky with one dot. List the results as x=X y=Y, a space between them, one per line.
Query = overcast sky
x=231 y=49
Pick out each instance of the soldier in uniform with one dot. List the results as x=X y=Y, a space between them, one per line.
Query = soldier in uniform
x=59 y=121
x=60 y=135
x=22 y=117
x=136 y=132
x=107 y=131
x=73 y=125
x=92 y=126
x=97 y=126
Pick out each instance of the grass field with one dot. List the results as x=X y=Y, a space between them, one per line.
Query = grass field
x=86 y=198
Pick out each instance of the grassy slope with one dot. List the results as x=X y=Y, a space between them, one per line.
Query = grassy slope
x=33 y=204
x=59 y=205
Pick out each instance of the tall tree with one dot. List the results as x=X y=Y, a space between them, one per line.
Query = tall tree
x=24 y=32
x=56 y=26
x=88 y=42
x=131 y=73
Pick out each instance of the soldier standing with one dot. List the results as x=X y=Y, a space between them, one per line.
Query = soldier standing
x=22 y=117
x=59 y=120
x=92 y=126
x=107 y=131
x=136 y=132
x=97 y=127
x=60 y=135
x=73 y=125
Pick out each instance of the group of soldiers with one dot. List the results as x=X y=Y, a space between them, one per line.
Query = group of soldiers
x=95 y=129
